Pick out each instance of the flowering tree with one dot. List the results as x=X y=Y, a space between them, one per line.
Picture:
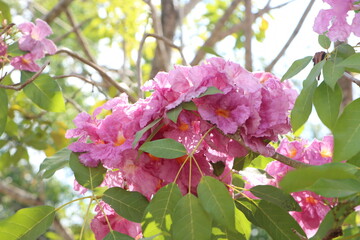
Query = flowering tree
x=177 y=163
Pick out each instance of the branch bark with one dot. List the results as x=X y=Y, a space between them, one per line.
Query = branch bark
x=248 y=33
x=106 y=77
x=28 y=199
x=215 y=35
x=57 y=10
x=292 y=37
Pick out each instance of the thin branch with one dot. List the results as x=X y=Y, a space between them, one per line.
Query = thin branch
x=277 y=156
x=84 y=79
x=79 y=26
x=99 y=70
x=215 y=34
x=138 y=61
x=26 y=198
x=75 y=104
x=248 y=33
x=30 y=80
x=188 y=7
x=292 y=37
x=352 y=78
x=79 y=36
x=56 y=11
x=7 y=28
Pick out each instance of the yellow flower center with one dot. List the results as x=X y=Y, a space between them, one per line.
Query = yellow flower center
x=222 y=112
x=311 y=200
x=183 y=126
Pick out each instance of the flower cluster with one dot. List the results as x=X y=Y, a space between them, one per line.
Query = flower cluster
x=255 y=106
x=33 y=41
x=314 y=207
x=333 y=22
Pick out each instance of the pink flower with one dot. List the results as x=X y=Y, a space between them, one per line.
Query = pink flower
x=313 y=210
x=336 y=18
x=100 y=226
x=3 y=49
x=313 y=207
x=227 y=111
x=26 y=62
x=34 y=38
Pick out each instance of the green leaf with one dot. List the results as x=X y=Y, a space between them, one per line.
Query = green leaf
x=14 y=50
x=158 y=214
x=355 y=160
x=3 y=110
x=242 y=224
x=303 y=105
x=302 y=178
x=57 y=161
x=335 y=187
x=164 y=148
x=335 y=218
x=351 y=63
x=242 y=162
x=332 y=73
x=347 y=132
x=190 y=221
x=296 y=67
x=210 y=91
x=276 y=196
x=314 y=73
x=113 y=235
x=189 y=106
x=210 y=51
x=343 y=51
x=276 y=221
x=140 y=133
x=327 y=104
x=324 y=41
x=44 y=92
x=174 y=113
x=219 y=232
x=130 y=205
x=27 y=223
x=218 y=168
x=217 y=202
x=88 y=177
x=5 y=12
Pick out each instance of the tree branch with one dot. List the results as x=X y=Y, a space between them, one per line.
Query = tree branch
x=99 y=70
x=18 y=87
x=138 y=61
x=292 y=37
x=352 y=78
x=56 y=11
x=28 y=199
x=188 y=7
x=84 y=79
x=248 y=33
x=7 y=28
x=216 y=33
x=277 y=156
x=79 y=36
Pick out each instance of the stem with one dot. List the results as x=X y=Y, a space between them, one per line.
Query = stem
x=86 y=217
x=75 y=200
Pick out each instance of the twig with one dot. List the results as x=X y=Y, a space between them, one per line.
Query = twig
x=79 y=36
x=351 y=78
x=75 y=104
x=188 y=7
x=215 y=34
x=30 y=80
x=7 y=28
x=292 y=37
x=138 y=61
x=84 y=79
x=79 y=26
x=56 y=11
x=100 y=70
x=26 y=198
x=277 y=156
x=248 y=33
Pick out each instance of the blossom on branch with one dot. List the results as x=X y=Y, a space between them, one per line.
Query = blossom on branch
x=34 y=38
x=333 y=22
